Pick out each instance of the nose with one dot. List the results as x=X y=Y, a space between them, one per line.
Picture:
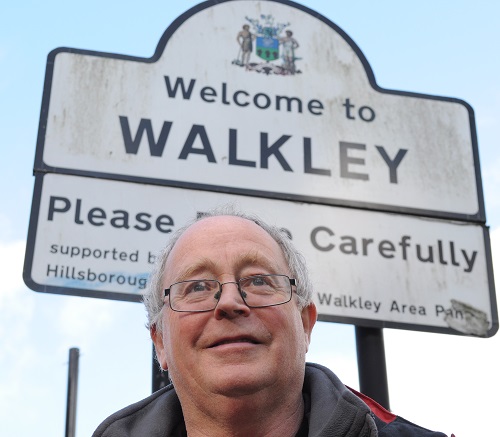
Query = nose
x=231 y=303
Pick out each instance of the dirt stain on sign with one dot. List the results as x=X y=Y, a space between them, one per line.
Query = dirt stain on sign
x=466 y=319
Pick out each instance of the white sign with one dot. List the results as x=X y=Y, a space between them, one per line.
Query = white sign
x=267 y=104
x=98 y=238
x=262 y=98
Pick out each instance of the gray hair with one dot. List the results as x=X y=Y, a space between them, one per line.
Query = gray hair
x=154 y=296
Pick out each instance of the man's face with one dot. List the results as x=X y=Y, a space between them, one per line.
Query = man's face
x=233 y=350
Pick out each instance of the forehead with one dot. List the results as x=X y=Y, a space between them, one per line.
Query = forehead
x=221 y=242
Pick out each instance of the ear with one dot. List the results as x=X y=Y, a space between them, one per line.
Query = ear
x=309 y=315
x=157 y=338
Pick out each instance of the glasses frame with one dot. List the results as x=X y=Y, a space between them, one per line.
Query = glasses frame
x=292 y=282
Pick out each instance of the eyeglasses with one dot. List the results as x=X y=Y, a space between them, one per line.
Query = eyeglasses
x=257 y=291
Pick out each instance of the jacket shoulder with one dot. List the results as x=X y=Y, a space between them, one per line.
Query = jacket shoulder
x=146 y=417
x=391 y=425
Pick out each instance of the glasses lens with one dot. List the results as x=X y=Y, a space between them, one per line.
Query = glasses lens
x=266 y=290
x=198 y=295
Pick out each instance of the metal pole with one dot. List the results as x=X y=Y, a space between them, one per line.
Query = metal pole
x=372 y=370
x=74 y=355
x=160 y=378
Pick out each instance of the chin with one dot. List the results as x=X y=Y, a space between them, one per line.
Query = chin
x=239 y=382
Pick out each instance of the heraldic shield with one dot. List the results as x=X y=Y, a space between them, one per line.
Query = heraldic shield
x=267 y=47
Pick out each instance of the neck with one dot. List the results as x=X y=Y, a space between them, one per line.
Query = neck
x=242 y=416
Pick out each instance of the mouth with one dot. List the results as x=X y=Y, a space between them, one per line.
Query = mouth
x=234 y=340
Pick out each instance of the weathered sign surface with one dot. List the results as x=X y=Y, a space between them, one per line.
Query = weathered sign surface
x=305 y=121
x=99 y=238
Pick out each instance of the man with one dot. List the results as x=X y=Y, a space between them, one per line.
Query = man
x=245 y=39
x=230 y=313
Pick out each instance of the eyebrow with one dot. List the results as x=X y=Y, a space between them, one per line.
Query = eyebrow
x=250 y=259
x=254 y=258
x=194 y=269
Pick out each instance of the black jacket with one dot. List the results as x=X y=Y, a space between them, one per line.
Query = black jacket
x=331 y=410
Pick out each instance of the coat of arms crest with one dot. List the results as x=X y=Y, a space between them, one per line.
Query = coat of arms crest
x=270 y=46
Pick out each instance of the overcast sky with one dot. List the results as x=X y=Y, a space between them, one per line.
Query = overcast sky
x=444 y=382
